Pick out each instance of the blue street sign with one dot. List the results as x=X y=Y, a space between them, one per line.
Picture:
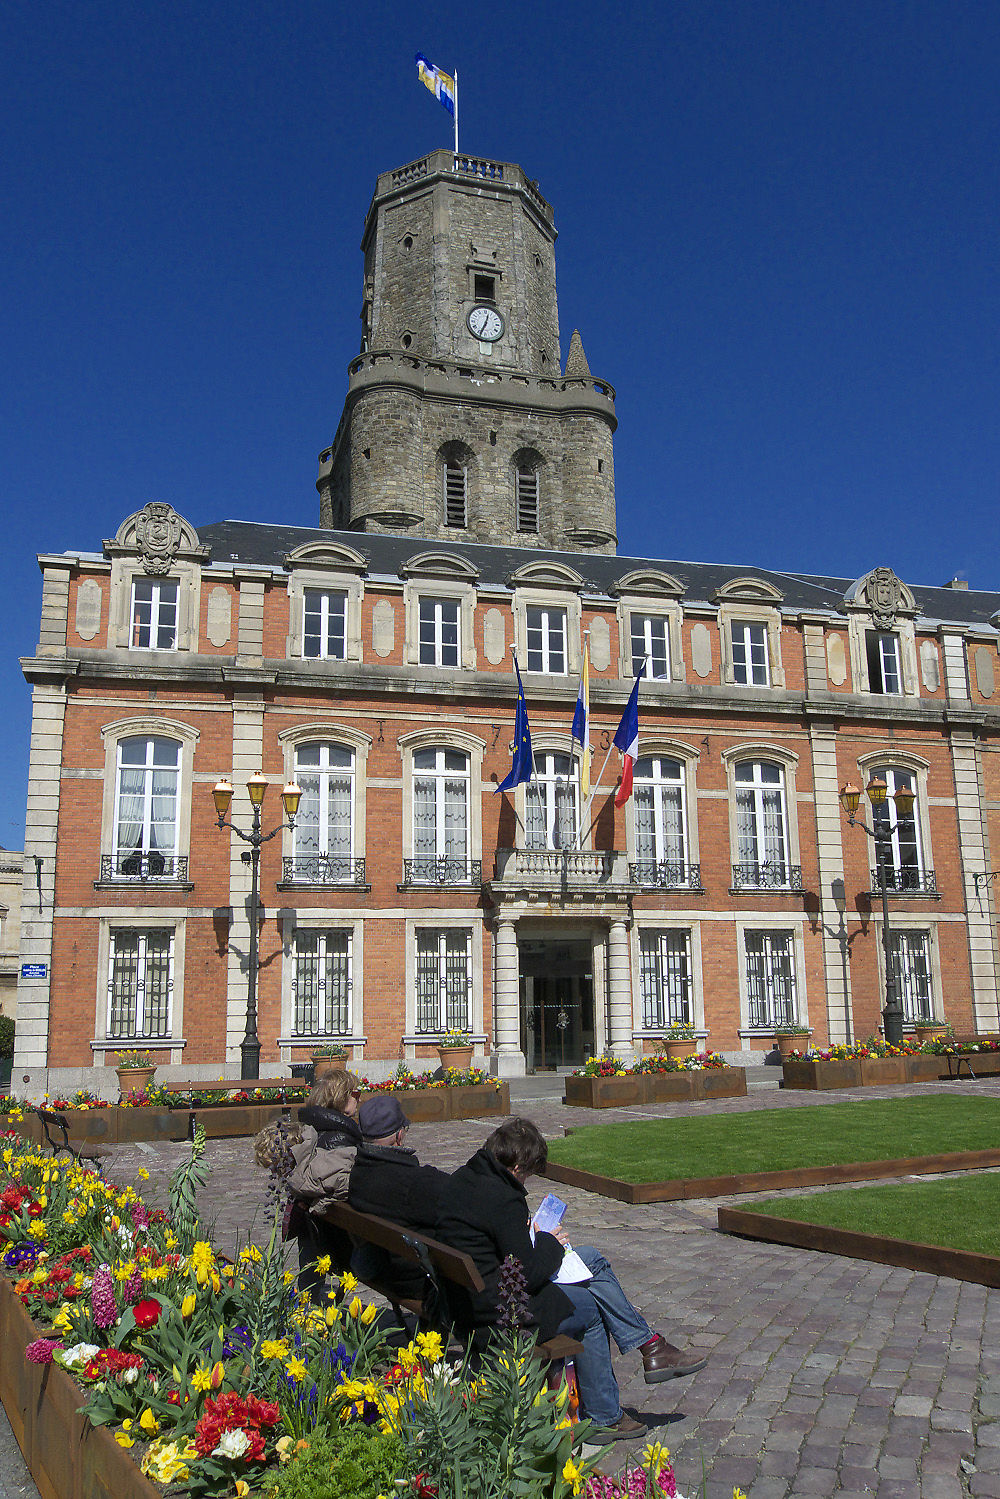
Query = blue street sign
x=34 y=970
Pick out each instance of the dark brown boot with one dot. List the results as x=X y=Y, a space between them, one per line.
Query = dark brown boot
x=661 y=1360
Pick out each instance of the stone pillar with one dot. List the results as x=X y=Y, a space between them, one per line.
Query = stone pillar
x=248 y=749
x=980 y=899
x=830 y=821
x=508 y=1057
x=620 y=989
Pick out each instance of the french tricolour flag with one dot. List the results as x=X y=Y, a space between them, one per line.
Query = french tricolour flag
x=627 y=741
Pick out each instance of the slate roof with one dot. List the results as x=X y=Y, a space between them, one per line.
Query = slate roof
x=259 y=544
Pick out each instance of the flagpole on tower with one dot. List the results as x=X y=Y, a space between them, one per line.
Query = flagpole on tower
x=456 y=111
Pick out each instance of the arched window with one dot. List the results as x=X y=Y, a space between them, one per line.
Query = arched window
x=145 y=817
x=550 y=803
x=905 y=862
x=661 y=844
x=456 y=494
x=324 y=828
x=440 y=817
x=761 y=828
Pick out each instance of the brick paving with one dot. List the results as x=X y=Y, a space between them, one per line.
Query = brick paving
x=826 y=1375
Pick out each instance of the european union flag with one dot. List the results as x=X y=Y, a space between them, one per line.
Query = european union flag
x=523 y=765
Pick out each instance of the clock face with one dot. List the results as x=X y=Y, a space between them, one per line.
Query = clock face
x=486 y=324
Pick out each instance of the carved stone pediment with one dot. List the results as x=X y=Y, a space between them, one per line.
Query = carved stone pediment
x=883 y=595
x=158 y=535
x=326 y=554
x=439 y=565
x=749 y=588
x=545 y=575
x=648 y=580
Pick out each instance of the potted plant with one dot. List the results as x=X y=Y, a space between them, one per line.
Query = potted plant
x=454 y=1047
x=678 y=1040
x=135 y=1071
x=6 y=1049
x=789 y=1038
x=330 y=1057
x=930 y=1030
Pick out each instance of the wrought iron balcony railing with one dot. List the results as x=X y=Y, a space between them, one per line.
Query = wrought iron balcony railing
x=767 y=876
x=141 y=868
x=442 y=871
x=664 y=875
x=322 y=869
x=905 y=882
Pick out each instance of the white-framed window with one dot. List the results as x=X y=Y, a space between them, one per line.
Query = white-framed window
x=884 y=673
x=443 y=979
x=661 y=844
x=546 y=639
x=906 y=864
x=154 y=614
x=441 y=779
x=749 y=653
x=322 y=981
x=761 y=830
x=551 y=803
x=665 y=978
x=526 y=487
x=323 y=841
x=910 y=955
x=324 y=624
x=456 y=494
x=146 y=827
x=439 y=630
x=650 y=635
x=140 y=983
x=770 y=979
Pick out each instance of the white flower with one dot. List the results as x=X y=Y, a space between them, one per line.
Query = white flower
x=79 y=1354
x=130 y=1376
x=232 y=1444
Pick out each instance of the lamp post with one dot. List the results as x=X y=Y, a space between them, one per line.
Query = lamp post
x=881 y=832
x=222 y=795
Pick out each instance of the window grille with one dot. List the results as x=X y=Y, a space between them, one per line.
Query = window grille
x=911 y=967
x=322 y=983
x=770 y=980
x=140 y=984
x=527 y=499
x=665 y=973
x=455 y=495
x=443 y=979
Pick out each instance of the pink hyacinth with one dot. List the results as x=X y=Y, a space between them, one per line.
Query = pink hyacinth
x=132 y=1289
x=140 y=1215
x=41 y=1350
x=102 y=1298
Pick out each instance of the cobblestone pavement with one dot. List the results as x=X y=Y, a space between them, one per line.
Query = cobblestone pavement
x=826 y=1375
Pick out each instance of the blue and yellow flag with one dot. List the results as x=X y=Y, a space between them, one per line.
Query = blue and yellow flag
x=522 y=766
x=441 y=85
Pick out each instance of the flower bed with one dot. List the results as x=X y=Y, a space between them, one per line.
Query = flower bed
x=463 y=1095
x=873 y=1071
x=605 y=1083
x=216 y=1378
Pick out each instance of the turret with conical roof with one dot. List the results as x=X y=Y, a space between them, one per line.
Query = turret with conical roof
x=457 y=420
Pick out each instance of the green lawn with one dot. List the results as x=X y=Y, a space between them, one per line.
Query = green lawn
x=776 y=1139
x=957 y=1214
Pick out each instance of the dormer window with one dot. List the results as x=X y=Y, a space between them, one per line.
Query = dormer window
x=527 y=500
x=154 y=614
x=455 y=495
x=882 y=648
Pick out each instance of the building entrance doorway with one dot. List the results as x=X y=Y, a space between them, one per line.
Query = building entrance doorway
x=557 y=1004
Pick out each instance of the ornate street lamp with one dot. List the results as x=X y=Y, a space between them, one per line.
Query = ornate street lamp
x=881 y=832
x=222 y=795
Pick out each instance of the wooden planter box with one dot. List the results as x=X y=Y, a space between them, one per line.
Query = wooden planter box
x=655 y=1087
x=68 y=1458
x=477 y=1101
x=881 y=1070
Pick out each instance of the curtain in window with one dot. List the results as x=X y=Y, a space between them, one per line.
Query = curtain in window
x=131 y=805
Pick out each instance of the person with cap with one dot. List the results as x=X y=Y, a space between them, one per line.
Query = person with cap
x=388 y=1180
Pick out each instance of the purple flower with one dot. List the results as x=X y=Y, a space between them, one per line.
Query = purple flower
x=41 y=1350
x=140 y=1215
x=20 y=1257
x=132 y=1289
x=102 y=1298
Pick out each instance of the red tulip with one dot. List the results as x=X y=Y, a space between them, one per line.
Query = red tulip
x=147 y=1313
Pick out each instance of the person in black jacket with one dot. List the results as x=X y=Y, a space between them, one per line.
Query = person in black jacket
x=323 y=1161
x=484 y=1212
x=388 y=1180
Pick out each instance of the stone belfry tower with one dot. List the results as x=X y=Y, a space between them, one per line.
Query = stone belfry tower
x=458 y=421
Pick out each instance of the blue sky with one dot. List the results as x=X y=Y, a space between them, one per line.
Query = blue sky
x=778 y=238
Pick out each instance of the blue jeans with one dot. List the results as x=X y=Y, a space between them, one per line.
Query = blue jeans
x=601 y=1311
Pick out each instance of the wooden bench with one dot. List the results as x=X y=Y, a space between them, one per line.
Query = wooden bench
x=439 y=1262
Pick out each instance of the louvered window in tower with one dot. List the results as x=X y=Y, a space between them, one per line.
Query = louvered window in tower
x=527 y=499
x=455 y=495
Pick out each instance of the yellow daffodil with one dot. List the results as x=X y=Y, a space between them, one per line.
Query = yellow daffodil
x=430 y=1345
x=323 y=1264
x=572 y=1475
x=654 y=1456
x=348 y=1282
x=296 y=1368
x=201 y=1379
x=273 y=1348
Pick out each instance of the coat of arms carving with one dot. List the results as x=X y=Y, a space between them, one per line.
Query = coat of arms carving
x=884 y=596
x=158 y=536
